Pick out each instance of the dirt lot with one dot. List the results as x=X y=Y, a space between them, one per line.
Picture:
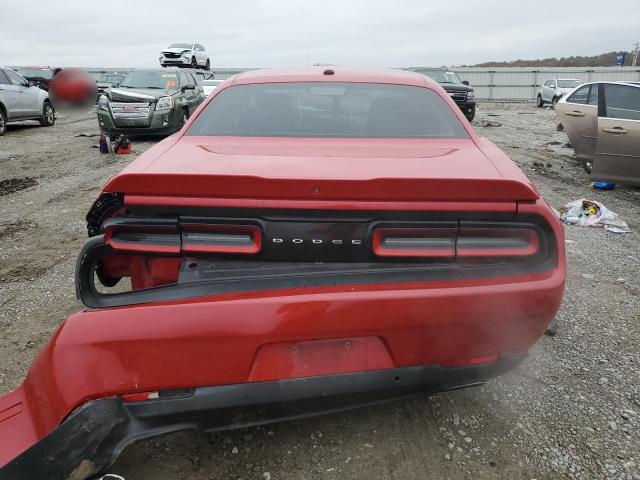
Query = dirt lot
x=572 y=410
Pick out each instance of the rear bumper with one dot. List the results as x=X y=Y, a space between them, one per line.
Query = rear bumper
x=254 y=337
x=96 y=433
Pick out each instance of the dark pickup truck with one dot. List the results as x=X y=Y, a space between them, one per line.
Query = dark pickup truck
x=459 y=91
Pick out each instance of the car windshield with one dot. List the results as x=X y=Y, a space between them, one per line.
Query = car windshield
x=110 y=78
x=180 y=45
x=35 y=73
x=150 y=79
x=310 y=109
x=568 y=83
x=442 y=76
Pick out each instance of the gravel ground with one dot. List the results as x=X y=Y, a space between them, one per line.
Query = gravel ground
x=571 y=410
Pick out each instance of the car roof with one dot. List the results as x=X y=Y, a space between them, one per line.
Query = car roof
x=631 y=83
x=340 y=74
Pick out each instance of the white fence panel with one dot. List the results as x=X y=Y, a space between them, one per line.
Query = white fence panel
x=520 y=83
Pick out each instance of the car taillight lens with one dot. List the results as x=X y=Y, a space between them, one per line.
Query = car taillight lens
x=244 y=239
x=197 y=238
x=469 y=242
x=496 y=242
x=414 y=242
x=131 y=239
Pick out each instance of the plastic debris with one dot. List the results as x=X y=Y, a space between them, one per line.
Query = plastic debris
x=589 y=213
x=603 y=185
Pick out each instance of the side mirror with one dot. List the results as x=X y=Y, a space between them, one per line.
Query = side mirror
x=188 y=86
x=465 y=82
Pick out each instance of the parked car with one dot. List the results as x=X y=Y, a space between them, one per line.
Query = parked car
x=602 y=121
x=210 y=85
x=150 y=102
x=21 y=101
x=37 y=76
x=553 y=89
x=458 y=90
x=192 y=55
x=312 y=240
x=108 y=80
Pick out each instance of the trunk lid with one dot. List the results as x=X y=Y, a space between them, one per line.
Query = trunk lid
x=322 y=169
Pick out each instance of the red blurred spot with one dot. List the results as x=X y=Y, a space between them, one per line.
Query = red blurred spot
x=72 y=87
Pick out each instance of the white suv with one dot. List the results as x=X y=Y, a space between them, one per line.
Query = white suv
x=554 y=89
x=191 y=55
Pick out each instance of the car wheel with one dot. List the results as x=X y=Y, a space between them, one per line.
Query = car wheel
x=194 y=64
x=588 y=166
x=554 y=100
x=185 y=117
x=48 y=117
x=540 y=101
x=470 y=116
x=207 y=65
x=3 y=122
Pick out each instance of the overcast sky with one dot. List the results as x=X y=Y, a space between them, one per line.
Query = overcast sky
x=261 y=33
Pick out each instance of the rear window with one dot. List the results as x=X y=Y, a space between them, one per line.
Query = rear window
x=321 y=109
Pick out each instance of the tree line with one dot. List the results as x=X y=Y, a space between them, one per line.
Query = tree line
x=602 y=60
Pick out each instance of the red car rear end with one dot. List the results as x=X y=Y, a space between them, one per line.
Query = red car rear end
x=310 y=241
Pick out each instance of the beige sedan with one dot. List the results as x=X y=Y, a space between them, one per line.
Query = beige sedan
x=602 y=121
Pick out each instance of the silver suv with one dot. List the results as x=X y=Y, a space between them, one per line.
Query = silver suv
x=554 y=89
x=20 y=100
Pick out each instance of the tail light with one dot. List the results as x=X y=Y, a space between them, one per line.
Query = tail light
x=414 y=242
x=189 y=238
x=496 y=242
x=465 y=242
x=243 y=239
x=134 y=239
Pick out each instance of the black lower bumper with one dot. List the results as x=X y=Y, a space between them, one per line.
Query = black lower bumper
x=91 y=439
x=140 y=132
x=468 y=108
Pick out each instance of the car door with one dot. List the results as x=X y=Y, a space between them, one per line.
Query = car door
x=12 y=95
x=579 y=117
x=30 y=96
x=199 y=94
x=198 y=53
x=189 y=95
x=550 y=91
x=617 y=156
x=544 y=90
x=201 y=54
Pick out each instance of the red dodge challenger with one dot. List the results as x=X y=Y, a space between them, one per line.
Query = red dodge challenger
x=311 y=240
